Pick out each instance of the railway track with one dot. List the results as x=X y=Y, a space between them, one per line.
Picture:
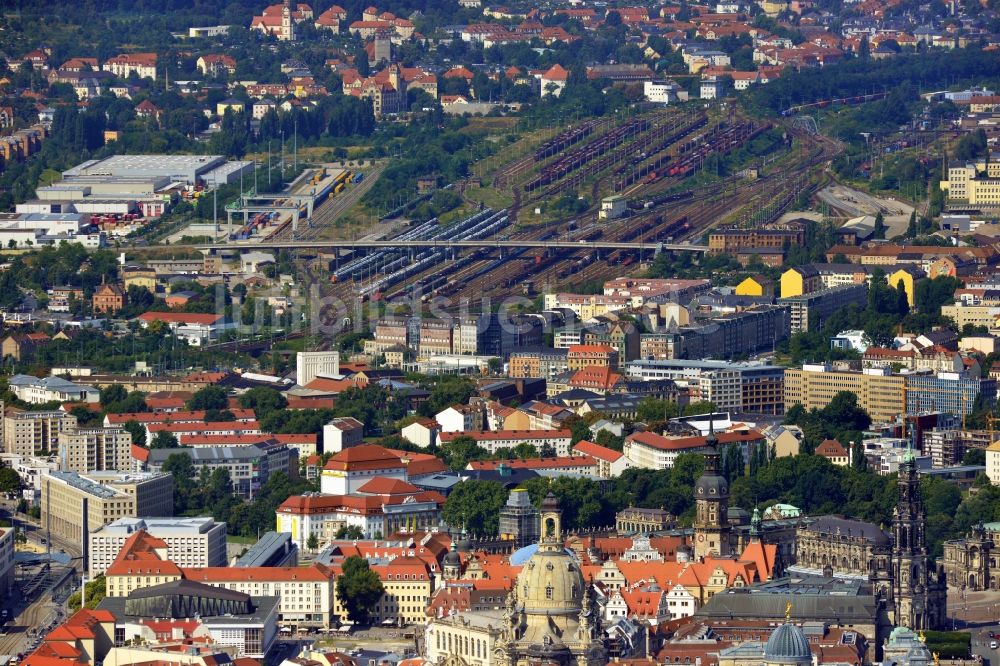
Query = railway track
x=487 y=276
x=331 y=209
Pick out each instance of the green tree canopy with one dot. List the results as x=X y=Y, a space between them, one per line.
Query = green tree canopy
x=359 y=588
x=475 y=506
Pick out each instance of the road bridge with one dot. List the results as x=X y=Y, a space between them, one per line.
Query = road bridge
x=445 y=243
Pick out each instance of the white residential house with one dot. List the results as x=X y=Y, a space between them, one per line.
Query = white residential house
x=422 y=432
x=459 y=418
x=680 y=602
x=341 y=433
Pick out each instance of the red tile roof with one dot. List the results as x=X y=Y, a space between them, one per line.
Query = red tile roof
x=597 y=451
x=364 y=456
x=181 y=317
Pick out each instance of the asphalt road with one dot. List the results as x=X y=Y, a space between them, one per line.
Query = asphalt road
x=981 y=644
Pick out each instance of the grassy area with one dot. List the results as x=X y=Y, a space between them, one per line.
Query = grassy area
x=242 y=540
x=489 y=196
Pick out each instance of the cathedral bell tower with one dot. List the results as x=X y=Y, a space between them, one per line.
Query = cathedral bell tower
x=712 y=530
x=919 y=596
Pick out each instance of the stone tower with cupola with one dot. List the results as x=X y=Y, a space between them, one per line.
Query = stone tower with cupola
x=712 y=531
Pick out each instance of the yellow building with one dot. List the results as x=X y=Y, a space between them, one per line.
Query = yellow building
x=139 y=276
x=965 y=184
x=882 y=395
x=755 y=285
x=231 y=104
x=909 y=277
x=800 y=280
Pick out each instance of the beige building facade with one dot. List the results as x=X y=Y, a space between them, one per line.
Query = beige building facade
x=882 y=395
x=96 y=450
x=35 y=433
x=109 y=496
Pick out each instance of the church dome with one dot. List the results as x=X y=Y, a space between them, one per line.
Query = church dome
x=787 y=645
x=551 y=582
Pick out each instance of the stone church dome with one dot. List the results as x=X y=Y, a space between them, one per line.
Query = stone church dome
x=551 y=582
x=787 y=645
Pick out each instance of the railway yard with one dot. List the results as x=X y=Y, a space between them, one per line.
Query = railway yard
x=652 y=161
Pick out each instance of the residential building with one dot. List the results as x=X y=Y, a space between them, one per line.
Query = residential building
x=35 y=433
x=732 y=240
x=422 y=432
x=540 y=362
x=142 y=65
x=810 y=311
x=974 y=183
x=215 y=64
x=190 y=542
x=108 y=496
x=341 y=433
x=109 y=298
x=993 y=462
x=742 y=333
x=760 y=386
x=647 y=450
x=496 y=440
x=459 y=418
x=95 y=450
x=610 y=463
x=833 y=451
x=583 y=356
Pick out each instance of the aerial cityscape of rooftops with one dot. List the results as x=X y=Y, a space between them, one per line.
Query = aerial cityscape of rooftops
x=500 y=333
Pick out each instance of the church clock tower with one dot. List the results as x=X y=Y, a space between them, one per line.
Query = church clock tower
x=919 y=595
x=711 y=500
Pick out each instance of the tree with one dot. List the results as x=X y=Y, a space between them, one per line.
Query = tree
x=349 y=532
x=164 y=439
x=179 y=466
x=359 y=588
x=210 y=397
x=95 y=589
x=459 y=451
x=10 y=481
x=475 y=506
x=974 y=457
x=263 y=400
x=911 y=227
x=312 y=543
x=112 y=393
x=137 y=431
x=902 y=302
x=879 y=231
